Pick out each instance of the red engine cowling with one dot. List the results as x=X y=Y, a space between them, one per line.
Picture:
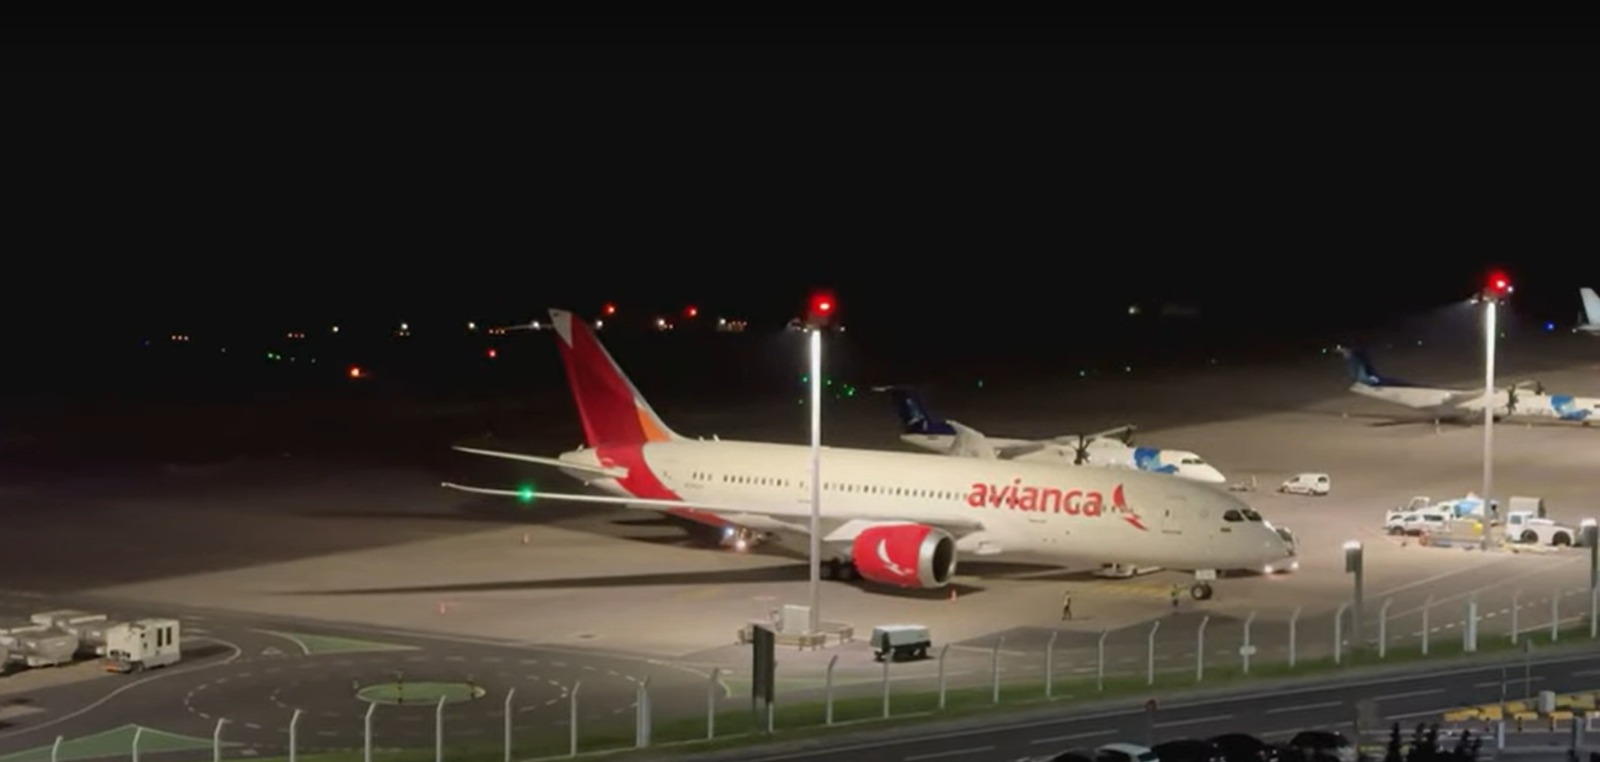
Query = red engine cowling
x=905 y=555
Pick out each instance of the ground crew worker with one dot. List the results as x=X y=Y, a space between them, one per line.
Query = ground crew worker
x=1066 y=607
x=1174 y=597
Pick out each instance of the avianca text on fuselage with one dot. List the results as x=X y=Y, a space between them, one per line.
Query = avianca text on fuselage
x=1073 y=502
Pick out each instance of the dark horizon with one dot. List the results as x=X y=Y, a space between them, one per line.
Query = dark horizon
x=220 y=179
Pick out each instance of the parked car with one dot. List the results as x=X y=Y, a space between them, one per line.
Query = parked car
x=1323 y=746
x=1242 y=747
x=1065 y=756
x=1188 y=750
x=1124 y=752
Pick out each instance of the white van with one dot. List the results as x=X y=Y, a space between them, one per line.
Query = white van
x=1307 y=484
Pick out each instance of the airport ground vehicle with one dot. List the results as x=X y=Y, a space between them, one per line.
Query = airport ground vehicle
x=144 y=644
x=900 y=641
x=1416 y=523
x=1318 y=485
x=1525 y=526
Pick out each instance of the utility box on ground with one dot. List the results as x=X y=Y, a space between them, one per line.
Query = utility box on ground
x=141 y=645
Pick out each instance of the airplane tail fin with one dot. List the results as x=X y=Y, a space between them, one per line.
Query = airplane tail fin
x=1360 y=366
x=1591 y=305
x=914 y=415
x=611 y=409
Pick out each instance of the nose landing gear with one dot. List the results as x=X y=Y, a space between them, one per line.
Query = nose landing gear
x=1200 y=591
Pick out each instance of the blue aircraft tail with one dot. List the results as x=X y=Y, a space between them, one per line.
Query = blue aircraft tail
x=1362 y=371
x=915 y=418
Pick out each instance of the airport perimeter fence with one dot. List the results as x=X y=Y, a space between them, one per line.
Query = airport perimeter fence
x=845 y=687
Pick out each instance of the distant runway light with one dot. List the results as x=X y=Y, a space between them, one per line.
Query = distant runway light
x=355 y=371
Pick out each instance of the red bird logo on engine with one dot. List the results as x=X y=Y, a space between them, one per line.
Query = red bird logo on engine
x=1072 y=502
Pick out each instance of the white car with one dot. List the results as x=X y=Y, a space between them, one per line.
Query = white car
x=1124 y=752
x=1307 y=484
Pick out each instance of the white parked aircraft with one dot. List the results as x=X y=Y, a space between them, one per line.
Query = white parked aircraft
x=1589 y=322
x=1107 y=449
x=894 y=518
x=1527 y=401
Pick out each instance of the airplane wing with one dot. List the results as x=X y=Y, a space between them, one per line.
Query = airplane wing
x=1122 y=433
x=957 y=527
x=610 y=472
x=971 y=443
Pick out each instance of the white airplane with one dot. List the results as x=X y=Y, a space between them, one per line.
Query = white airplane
x=1525 y=401
x=894 y=518
x=1107 y=449
x=1589 y=322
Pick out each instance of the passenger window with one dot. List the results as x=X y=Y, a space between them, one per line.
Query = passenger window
x=1250 y=514
x=1232 y=515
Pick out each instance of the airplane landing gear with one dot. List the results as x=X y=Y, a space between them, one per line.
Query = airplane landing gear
x=740 y=539
x=1200 y=591
x=843 y=571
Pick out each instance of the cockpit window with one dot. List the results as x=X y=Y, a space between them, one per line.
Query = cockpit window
x=1192 y=462
x=1250 y=514
x=1233 y=515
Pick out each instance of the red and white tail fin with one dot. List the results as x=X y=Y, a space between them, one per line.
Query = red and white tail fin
x=612 y=410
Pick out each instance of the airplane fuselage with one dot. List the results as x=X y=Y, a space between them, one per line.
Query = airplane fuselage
x=1101 y=453
x=1077 y=514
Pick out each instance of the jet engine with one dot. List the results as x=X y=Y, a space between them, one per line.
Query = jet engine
x=904 y=555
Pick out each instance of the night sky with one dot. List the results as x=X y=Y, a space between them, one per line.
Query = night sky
x=1047 y=169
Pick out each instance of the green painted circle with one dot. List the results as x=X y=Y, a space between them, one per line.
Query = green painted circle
x=419 y=693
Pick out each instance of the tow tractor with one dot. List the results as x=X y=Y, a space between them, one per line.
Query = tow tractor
x=1529 y=527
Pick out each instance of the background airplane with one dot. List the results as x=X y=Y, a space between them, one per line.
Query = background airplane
x=1112 y=448
x=1589 y=321
x=894 y=518
x=1525 y=401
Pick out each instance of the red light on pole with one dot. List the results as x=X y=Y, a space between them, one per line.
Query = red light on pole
x=821 y=307
x=1498 y=284
x=691 y=311
x=355 y=371
x=609 y=310
x=491 y=353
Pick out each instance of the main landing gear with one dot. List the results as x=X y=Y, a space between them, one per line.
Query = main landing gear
x=836 y=569
x=741 y=539
x=1201 y=589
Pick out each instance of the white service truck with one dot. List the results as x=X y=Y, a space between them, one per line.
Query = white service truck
x=141 y=645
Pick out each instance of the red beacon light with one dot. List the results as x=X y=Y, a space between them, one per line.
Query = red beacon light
x=691 y=311
x=609 y=310
x=491 y=353
x=1498 y=285
x=821 y=308
x=356 y=372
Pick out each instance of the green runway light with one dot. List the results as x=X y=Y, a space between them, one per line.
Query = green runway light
x=525 y=493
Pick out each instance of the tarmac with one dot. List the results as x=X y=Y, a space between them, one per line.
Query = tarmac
x=540 y=597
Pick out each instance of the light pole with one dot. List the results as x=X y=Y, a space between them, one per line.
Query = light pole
x=1589 y=531
x=821 y=309
x=1496 y=290
x=1353 y=562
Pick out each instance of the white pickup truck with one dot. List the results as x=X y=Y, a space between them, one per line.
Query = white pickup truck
x=1415 y=522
